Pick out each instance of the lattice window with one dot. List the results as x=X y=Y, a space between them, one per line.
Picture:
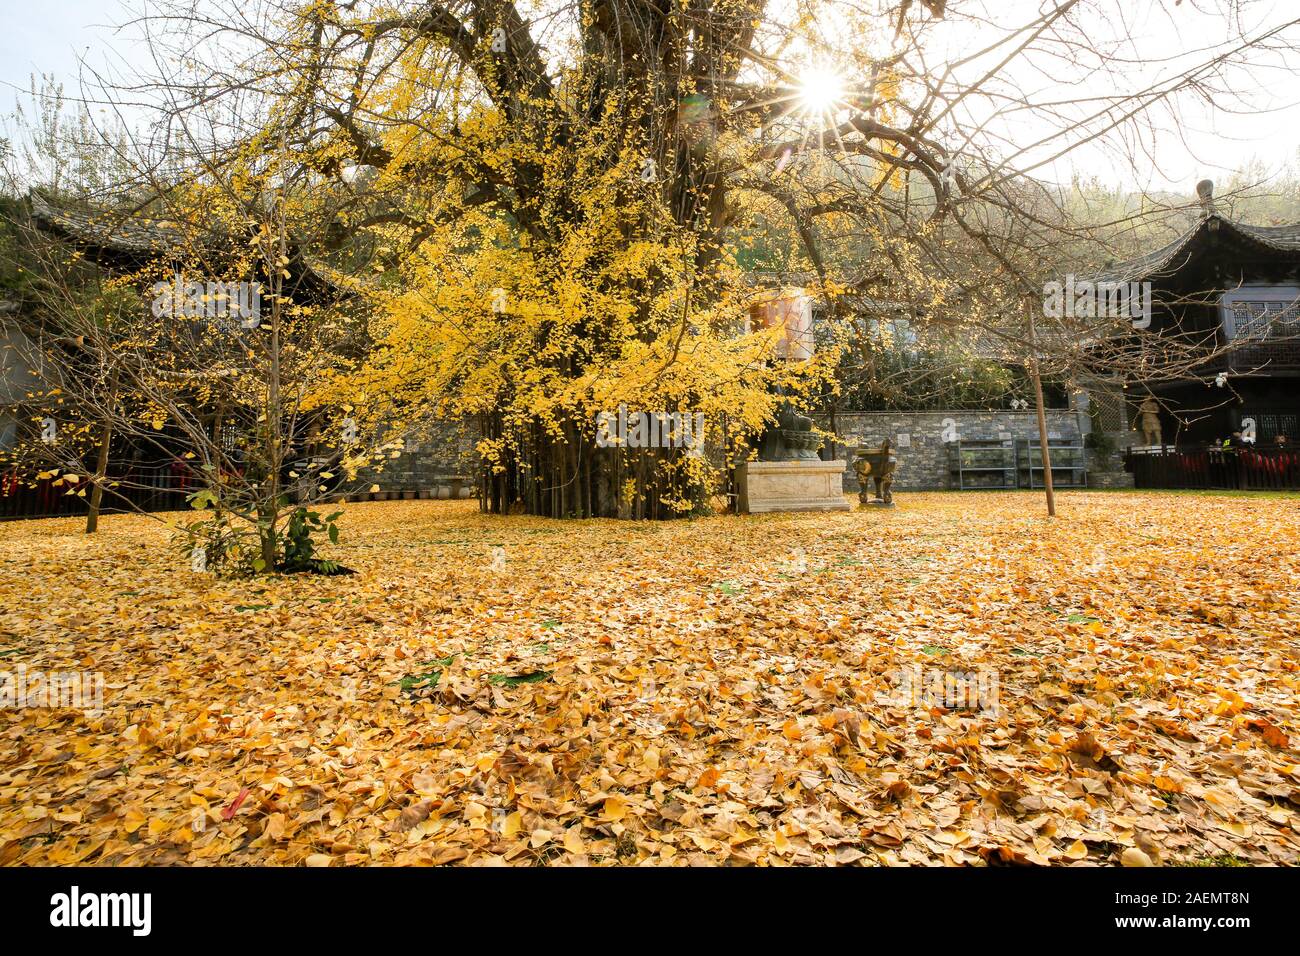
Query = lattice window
x=1248 y=320
x=1106 y=408
x=8 y=431
x=1257 y=314
x=1262 y=320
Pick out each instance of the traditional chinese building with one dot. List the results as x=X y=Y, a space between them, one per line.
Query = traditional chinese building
x=1230 y=291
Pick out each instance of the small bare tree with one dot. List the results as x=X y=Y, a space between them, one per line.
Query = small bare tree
x=196 y=324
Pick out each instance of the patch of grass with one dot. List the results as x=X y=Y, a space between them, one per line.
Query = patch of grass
x=1196 y=492
x=1072 y=618
x=1222 y=859
x=414 y=681
x=514 y=680
x=410 y=682
x=1081 y=619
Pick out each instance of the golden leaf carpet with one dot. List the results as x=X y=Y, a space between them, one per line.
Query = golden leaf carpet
x=723 y=691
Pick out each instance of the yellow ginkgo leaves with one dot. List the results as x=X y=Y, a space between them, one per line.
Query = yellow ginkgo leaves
x=607 y=701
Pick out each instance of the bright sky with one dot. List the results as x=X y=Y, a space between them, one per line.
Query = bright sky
x=51 y=35
x=48 y=36
x=1154 y=41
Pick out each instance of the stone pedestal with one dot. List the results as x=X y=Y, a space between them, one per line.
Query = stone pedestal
x=791 y=486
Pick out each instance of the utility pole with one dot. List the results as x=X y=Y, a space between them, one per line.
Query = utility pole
x=1030 y=306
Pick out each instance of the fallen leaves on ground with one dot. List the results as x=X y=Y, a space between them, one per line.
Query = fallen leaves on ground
x=719 y=691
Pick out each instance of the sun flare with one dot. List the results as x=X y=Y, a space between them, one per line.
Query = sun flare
x=821 y=90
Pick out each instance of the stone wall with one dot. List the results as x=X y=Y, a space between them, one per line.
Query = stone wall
x=1107 y=471
x=923 y=454
x=426 y=465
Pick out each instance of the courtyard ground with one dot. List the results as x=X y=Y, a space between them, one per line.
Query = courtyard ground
x=722 y=691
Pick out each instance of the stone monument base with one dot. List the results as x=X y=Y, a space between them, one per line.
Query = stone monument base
x=810 y=485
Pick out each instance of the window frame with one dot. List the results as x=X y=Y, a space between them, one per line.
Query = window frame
x=1287 y=295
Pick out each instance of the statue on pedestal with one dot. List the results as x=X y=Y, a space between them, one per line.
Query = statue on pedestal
x=792 y=437
x=1149 y=421
x=788 y=475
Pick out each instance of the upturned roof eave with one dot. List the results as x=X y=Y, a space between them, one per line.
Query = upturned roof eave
x=1168 y=260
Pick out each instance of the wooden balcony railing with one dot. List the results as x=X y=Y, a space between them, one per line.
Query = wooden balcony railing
x=1261 y=356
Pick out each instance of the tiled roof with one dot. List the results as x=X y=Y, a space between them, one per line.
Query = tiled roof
x=135 y=236
x=1169 y=259
x=109 y=230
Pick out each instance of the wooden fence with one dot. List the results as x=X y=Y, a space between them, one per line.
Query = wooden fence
x=140 y=487
x=1250 y=469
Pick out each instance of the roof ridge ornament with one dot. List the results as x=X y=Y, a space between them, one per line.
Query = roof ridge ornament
x=1205 y=193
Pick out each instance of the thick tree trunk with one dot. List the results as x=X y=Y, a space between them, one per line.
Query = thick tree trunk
x=570 y=476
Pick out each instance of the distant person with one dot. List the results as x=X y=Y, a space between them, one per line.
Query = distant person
x=1281 y=442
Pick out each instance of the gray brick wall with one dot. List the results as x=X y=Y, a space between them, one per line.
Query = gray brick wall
x=426 y=464
x=923 y=455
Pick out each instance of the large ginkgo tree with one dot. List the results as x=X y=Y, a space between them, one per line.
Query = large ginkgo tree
x=558 y=209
